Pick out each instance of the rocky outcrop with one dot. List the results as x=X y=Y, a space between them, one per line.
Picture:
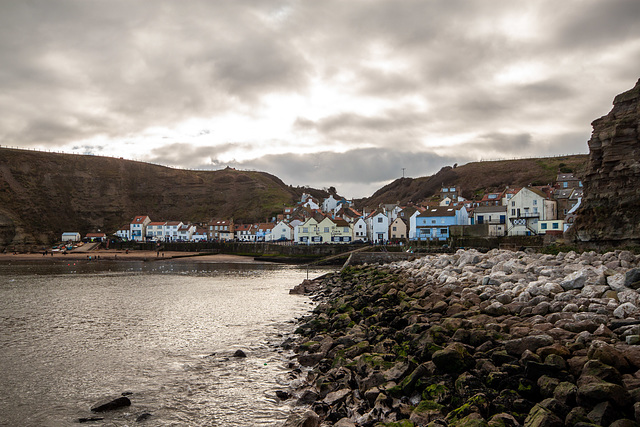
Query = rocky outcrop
x=496 y=339
x=612 y=180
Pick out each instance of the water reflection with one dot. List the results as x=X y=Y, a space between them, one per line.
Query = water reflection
x=71 y=335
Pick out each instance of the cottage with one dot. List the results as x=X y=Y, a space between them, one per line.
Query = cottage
x=378 y=227
x=95 y=237
x=282 y=231
x=221 y=229
x=494 y=217
x=138 y=228
x=156 y=230
x=171 y=230
x=434 y=223
x=526 y=208
x=398 y=230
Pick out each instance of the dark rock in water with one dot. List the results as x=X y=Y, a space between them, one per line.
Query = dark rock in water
x=126 y=393
x=282 y=395
x=111 y=405
x=143 y=417
x=307 y=419
x=89 y=420
x=239 y=353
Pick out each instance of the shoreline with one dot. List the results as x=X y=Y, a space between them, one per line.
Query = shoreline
x=123 y=256
x=497 y=339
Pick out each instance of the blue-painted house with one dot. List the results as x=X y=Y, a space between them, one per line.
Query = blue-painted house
x=434 y=223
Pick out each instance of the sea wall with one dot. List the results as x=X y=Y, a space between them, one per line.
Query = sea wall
x=497 y=339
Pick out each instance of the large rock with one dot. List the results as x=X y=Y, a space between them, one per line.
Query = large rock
x=110 y=405
x=612 y=178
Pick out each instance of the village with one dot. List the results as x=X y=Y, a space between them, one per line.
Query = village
x=526 y=211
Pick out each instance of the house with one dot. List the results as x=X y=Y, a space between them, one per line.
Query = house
x=156 y=230
x=329 y=204
x=95 y=237
x=359 y=229
x=71 y=236
x=334 y=230
x=378 y=227
x=451 y=192
x=138 y=228
x=308 y=233
x=310 y=202
x=568 y=180
x=491 y=199
x=398 y=230
x=495 y=218
x=526 y=208
x=245 y=233
x=282 y=231
x=171 y=230
x=348 y=213
x=185 y=232
x=124 y=233
x=263 y=231
x=221 y=229
x=434 y=223
x=200 y=235
x=551 y=226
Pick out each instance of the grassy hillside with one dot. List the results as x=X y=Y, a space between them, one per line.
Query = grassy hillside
x=44 y=194
x=477 y=178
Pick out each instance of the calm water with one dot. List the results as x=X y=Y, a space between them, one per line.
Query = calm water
x=72 y=335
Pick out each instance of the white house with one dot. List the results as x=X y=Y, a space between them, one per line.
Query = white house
x=360 y=230
x=329 y=204
x=282 y=231
x=138 y=228
x=526 y=208
x=378 y=227
x=185 y=232
x=494 y=216
x=124 y=233
x=171 y=230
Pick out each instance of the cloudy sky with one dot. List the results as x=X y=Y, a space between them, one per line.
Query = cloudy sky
x=321 y=93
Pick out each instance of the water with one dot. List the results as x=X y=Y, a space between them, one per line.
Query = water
x=72 y=335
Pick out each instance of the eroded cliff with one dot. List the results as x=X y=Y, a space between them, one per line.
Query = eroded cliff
x=612 y=181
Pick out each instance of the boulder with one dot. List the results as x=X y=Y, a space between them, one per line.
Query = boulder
x=110 y=405
x=533 y=342
x=305 y=419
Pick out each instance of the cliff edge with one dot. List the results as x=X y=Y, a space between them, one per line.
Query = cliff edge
x=612 y=180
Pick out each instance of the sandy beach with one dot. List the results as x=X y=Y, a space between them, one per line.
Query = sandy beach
x=118 y=255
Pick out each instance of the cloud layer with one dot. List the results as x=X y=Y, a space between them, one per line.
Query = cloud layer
x=319 y=93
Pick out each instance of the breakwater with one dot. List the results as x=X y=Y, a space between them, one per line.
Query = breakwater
x=497 y=339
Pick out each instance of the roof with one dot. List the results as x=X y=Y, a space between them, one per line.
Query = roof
x=96 y=235
x=173 y=223
x=490 y=209
x=140 y=218
x=439 y=211
x=157 y=223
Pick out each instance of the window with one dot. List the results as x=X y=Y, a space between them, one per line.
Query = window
x=535 y=210
x=433 y=221
x=326 y=229
x=555 y=225
x=565 y=184
x=345 y=229
x=444 y=231
x=394 y=229
x=535 y=202
x=380 y=219
x=513 y=212
x=543 y=226
x=305 y=229
x=513 y=204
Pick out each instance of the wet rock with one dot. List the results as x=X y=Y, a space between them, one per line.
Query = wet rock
x=518 y=346
x=453 y=358
x=603 y=414
x=239 y=353
x=110 y=405
x=306 y=419
x=90 y=419
x=540 y=416
x=143 y=417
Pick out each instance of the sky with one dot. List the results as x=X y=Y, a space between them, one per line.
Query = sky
x=351 y=94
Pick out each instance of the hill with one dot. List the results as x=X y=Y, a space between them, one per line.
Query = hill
x=477 y=178
x=44 y=194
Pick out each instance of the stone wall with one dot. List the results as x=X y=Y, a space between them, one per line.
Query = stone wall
x=612 y=182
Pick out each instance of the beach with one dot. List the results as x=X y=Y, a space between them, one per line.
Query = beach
x=122 y=255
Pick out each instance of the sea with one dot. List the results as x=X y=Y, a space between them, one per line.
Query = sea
x=164 y=333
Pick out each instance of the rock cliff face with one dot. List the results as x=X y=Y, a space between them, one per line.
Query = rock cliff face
x=612 y=181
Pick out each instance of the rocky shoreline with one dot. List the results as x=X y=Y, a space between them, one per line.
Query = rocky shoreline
x=472 y=339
